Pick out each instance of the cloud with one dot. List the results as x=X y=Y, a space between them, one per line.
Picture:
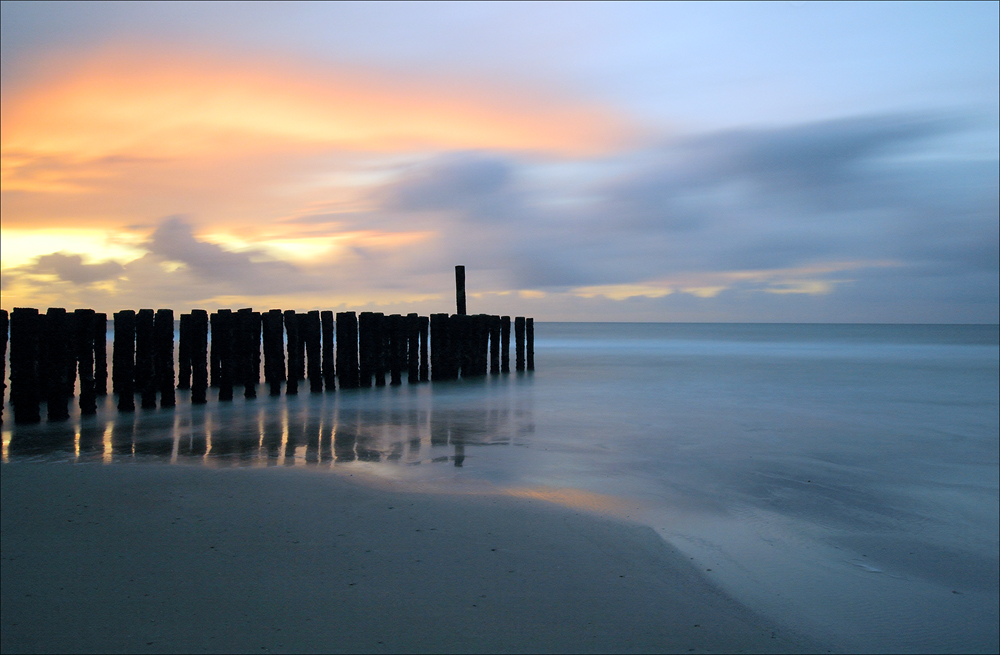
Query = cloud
x=70 y=268
x=805 y=210
x=480 y=186
x=174 y=240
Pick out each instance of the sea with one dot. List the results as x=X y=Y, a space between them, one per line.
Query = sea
x=843 y=480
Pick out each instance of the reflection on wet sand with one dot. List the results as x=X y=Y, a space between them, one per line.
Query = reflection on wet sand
x=392 y=428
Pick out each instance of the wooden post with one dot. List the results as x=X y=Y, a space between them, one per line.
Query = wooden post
x=460 y=330
x=367 y=348
x=397 y=349
x=224 y=340
x=460 y=289
x=214 y=359
x=329 y=367
x=199 y=356
x=412 y=348
x=184 y=353
x=123 y=360
x=347 y=350
x=85 y=358
x=494 y=345
x=438 y=345
x=292 y=332
x=424 y=371
x=380 y=347
x=56 y=356
x=24 y=391
x=312 y=343
x=505 y=344
x=255 y=337
x=144 y=381
x=4 y=324
x=101 y=354
x=482 y=343
x=245 y=350
x=163 y=362
x=519 y=342
x=274 y=351
x=529 y=338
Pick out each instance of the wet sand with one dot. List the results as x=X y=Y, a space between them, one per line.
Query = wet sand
x=142 y=558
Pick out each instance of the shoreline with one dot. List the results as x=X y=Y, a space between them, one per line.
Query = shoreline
x=154 y=558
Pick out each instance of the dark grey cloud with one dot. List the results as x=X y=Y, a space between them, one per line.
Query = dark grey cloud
x=873 y=190
x=70 y=268
x=476 y=185
x=174 y=240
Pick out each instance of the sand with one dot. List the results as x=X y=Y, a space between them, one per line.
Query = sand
x=138 y=558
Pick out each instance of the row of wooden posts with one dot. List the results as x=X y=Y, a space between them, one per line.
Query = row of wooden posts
x=49 y=352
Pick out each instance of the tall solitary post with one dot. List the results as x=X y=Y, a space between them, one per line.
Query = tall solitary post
x=460 y=289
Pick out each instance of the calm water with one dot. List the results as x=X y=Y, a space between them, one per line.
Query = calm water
x=841 y=478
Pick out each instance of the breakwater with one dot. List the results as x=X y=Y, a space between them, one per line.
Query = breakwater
x=53 y=352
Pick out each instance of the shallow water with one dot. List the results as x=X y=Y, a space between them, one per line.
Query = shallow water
x=841 y=478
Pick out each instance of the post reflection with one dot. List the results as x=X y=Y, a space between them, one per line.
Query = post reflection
x=392 y=428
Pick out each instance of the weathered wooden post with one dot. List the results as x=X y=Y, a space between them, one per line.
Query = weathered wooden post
x=199 y=356
x=274 y=351
x=397 y=348
x=412 y=348
x=85 y=359
x=380 y=347
x=292 y=332
x=224 y=339
x=163 y=363
x=184 y=353
x=505 y=344
x=101 y=354
x=437 y=326
x=347 y=350
x=529 y=346
x=329 y=367
x=55 y=357
x=245 y=349
x=483 y=345
x=214 y=360
x=300 y=354
x=123 y=360
x=519 y=342
x=366 y=348
x=460 y=289
x=255 y=337
x=494 y=345
x=24 y=391
x=144 y=380
x=424 y=371
x=70 y=376
x=312 y=339
x=458 y=331
x=4 y=324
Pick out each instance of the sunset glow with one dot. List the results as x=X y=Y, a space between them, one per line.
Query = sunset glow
x=284 y=166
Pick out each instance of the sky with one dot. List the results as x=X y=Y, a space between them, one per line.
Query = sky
x=745 y=162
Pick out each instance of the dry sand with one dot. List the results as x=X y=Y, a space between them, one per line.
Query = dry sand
x=155 y=558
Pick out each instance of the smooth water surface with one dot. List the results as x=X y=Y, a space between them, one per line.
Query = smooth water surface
x=841 y=478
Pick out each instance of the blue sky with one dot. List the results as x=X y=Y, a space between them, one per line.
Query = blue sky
x=608 y=161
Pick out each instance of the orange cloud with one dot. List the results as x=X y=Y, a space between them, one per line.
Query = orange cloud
x=131 y=106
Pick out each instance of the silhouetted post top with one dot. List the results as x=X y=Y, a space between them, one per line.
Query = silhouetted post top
x=460 y=289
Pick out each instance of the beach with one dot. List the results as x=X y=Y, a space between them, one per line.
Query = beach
x=155 y=558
